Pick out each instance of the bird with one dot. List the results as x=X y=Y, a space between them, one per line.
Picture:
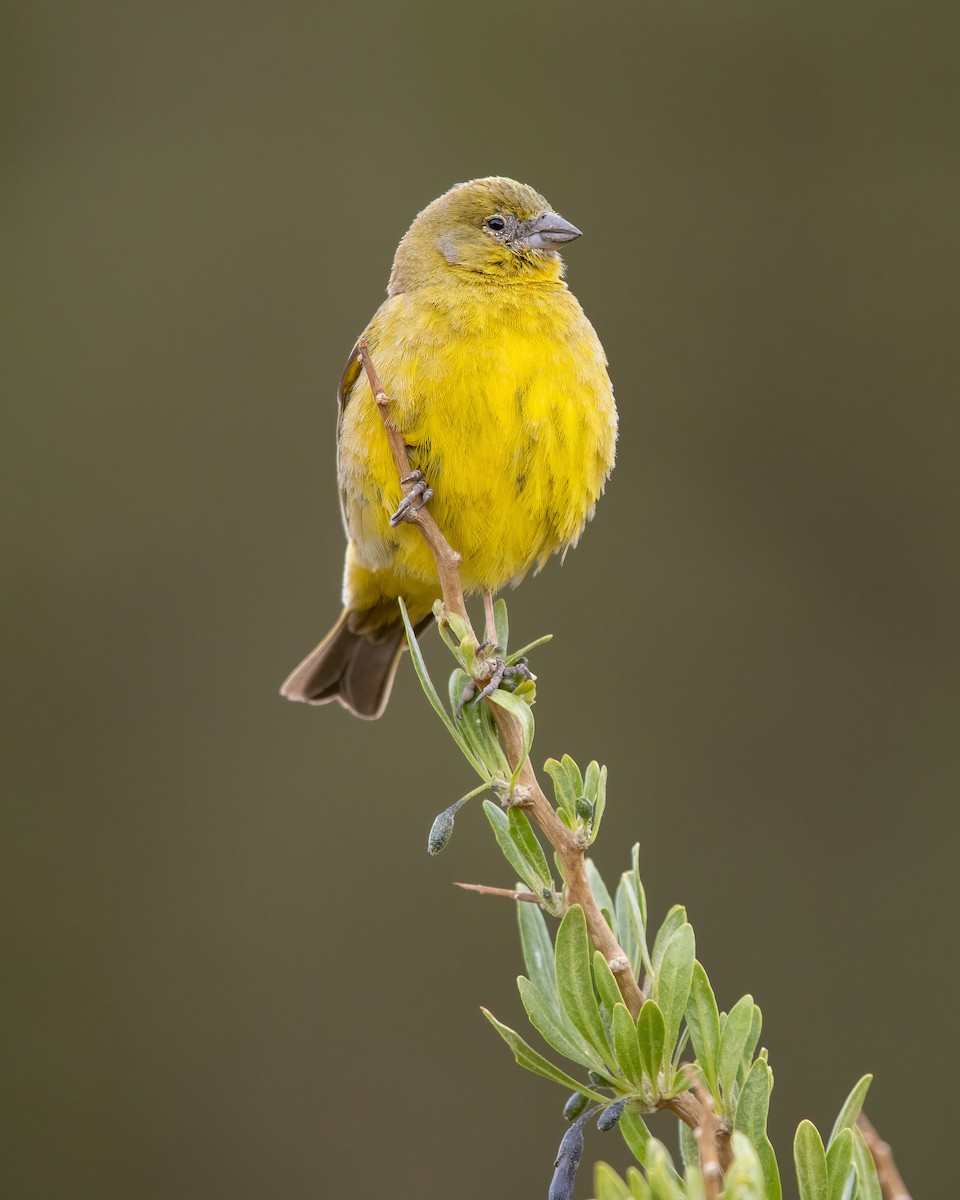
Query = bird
x=499 y=386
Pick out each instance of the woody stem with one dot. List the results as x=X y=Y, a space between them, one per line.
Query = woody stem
x=686 y=1106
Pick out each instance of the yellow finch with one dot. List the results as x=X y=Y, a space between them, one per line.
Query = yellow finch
x=498 y=384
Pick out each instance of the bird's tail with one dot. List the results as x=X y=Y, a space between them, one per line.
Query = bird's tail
x=354 y=664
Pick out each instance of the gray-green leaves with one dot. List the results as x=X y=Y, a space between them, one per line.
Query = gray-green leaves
x=477 y=761
x=734 y=1048
x=651 y=1039
x=844 y=1167
x=580 y=799
x=703 y=1021
x=572 y=998
x=810 y=1160
x=575 y=981
x=474 y=730
x=522 y=850
x=537 y=950
x=528 y=1058
x=625 y=1065
x=673 y=979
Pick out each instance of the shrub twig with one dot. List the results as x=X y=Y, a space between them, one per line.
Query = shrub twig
x=686 y=1106
x=509 y=893
x=709 y=1137
x=890 y=1179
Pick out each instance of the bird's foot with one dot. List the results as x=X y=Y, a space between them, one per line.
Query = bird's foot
x=419 y=494
x=499 y=674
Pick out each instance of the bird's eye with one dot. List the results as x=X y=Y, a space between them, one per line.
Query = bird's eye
x=496 y=224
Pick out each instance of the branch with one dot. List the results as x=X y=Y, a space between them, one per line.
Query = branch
x=890 y=1179
x=447 y=559
x=706 y=1135
x=510 y=893
x=578 y=891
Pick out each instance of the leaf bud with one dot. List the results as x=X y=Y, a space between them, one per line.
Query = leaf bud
x=441 y=830
x=611 y=1115
x=575 y=1106
x=568 y=1159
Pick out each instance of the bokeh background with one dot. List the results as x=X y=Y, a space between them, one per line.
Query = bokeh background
x=230 y=969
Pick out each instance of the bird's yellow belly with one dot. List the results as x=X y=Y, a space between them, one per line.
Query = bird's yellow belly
x=513 y=428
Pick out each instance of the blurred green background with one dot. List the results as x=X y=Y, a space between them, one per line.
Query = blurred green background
x=230 y=968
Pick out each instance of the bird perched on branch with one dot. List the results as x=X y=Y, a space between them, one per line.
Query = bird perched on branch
x=498 y=384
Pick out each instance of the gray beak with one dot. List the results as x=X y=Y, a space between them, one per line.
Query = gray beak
x=549 y=231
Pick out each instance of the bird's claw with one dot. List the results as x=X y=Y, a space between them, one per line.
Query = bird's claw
x=469 y=690
x=501 y=671
x=419 y=494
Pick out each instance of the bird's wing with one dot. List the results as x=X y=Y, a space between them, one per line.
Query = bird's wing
x=348 y=377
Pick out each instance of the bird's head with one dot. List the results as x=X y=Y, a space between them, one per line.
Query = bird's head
x=488 y=229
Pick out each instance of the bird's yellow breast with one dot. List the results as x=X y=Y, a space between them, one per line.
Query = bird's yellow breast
x=503 y=398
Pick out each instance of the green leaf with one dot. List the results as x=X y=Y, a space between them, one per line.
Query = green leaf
x=852 y=1107
x=624 y=926
x=555 y=1029
x=598 y=887
x=502 y=624
x=538 y=952
x=689 y=1147
x=868 y=1185
x=630 y=925
x=525 y=650
x=839 y=1163
x=753 y=1103
x=520 y=830
x=467 y=653
x=599 y=804
x=626 y=1046
x=444 y=628
x=422 y=673
x=637 y=1136
x=744 y=1178
x=673 y=980
x=573 y=774
x=430 y=692
x=733 y=1038
x=639 y=1188
x=575 y=981
x=811 y=1162
x=750 y=1045
x=703 y=1021
x=564 y=794
x=772 y=1189
x=591 y=781
x=512 y=852
x=663 y=1179
x=567 y=786
x=643 y=1146
x=651 y=1038
x=693 y=1181
x=676 y=917
x=530 y=1060
x=606 y=983
x=477 y=733
x=638 y=882
x=607 y=1184
x=523 y=715
x=458 y=626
